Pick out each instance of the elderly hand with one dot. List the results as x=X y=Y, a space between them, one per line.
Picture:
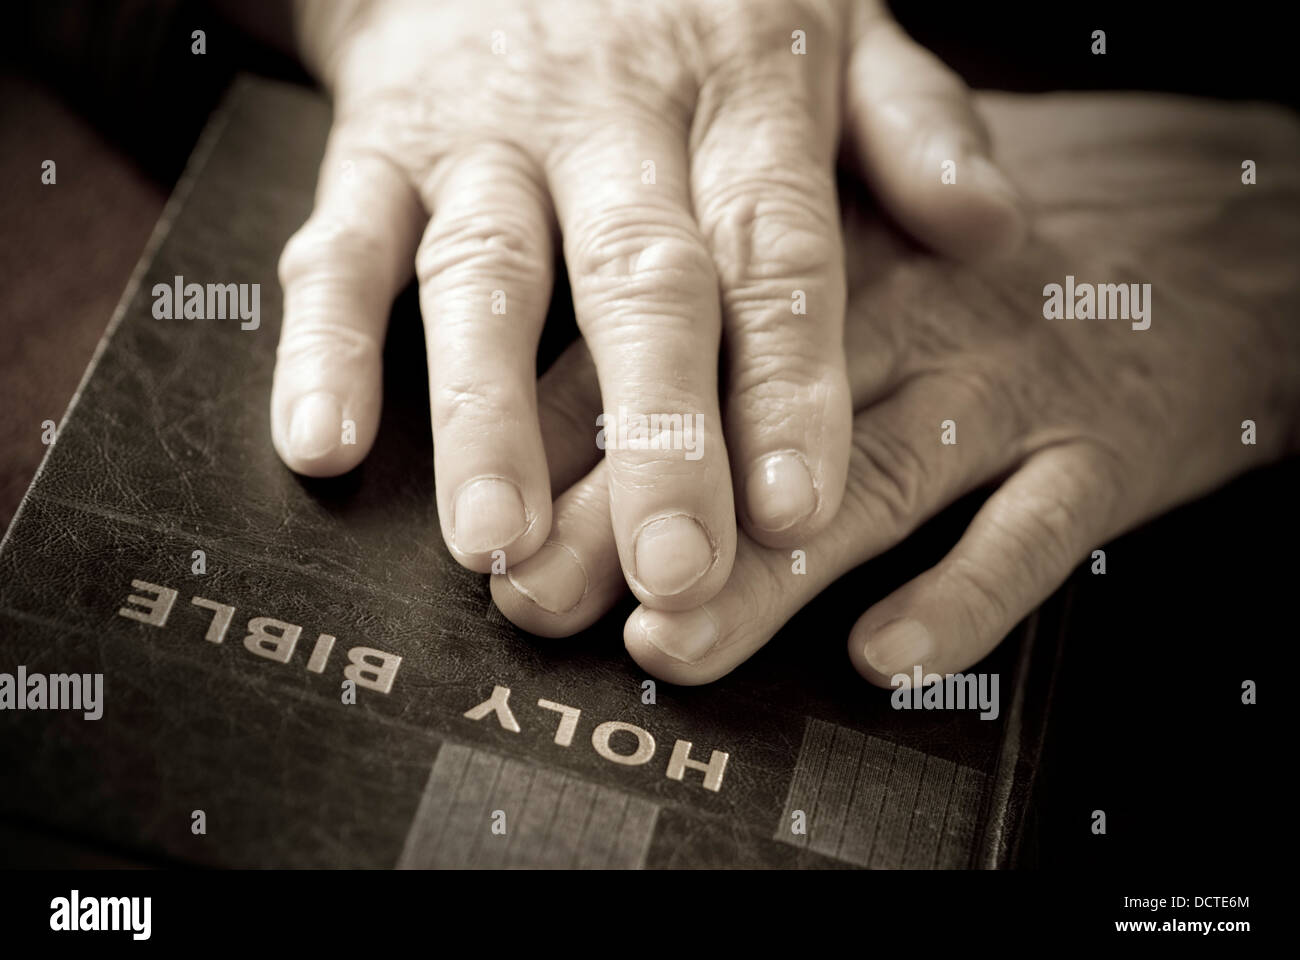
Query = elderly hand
x=1085 y=427
x=685 y=152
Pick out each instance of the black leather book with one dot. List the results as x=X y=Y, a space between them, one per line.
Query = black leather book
x=226 y=737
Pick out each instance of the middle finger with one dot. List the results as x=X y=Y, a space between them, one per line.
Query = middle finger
x=646 y=298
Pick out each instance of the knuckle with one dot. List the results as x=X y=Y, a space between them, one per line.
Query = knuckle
x=327 y=245
x=984 y=607
x=639 y=471
x=488 y=246
x=686 y=450
x=318 y=343
x=472 y=403
x=1111 y=475
x=975 y=388
x=1000 y=407
x=772 y=390
x=886 y=477
x=1042 y=529
x=641 y=251
x=767 y=232
x=1048 y=526
x=1094 y=487
x=763 y=588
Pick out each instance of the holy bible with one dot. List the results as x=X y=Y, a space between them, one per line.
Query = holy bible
x=295 y=673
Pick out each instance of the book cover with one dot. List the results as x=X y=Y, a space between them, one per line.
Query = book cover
x=229 y=606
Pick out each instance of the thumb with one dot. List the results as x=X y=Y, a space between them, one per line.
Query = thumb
x=915 y=137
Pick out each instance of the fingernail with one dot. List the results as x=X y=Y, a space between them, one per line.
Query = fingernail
x=488 y=514
x=898 y=646
x=685 y=636
x=672 y=553
x=553 y=578
x=779 y=491
x=315 y=427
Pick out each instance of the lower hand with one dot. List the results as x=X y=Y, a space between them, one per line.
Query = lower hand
x=1085 y=427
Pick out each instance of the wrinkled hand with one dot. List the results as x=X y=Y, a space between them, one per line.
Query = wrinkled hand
x=1095 y=426
x=685 y=151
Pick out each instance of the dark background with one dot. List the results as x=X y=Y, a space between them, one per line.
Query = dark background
x=1148 y=723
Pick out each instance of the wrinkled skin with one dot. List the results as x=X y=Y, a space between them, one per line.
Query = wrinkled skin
x=469 y=138
x=1084 y=428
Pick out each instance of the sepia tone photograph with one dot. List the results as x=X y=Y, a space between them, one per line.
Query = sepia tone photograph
x=840 y=449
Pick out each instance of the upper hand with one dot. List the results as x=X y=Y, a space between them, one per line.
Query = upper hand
x=685 y=152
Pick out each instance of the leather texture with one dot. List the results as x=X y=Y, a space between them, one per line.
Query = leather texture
x=168 y=451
